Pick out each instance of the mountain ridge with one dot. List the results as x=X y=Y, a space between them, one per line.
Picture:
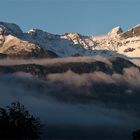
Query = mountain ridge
x=36 y=43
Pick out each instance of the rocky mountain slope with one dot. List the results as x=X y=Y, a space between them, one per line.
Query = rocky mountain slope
x=12 y=44
x=37 y=43
x=78 y=65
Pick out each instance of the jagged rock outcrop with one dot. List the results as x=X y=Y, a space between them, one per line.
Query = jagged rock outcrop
x=115 y=31
x=133 y=32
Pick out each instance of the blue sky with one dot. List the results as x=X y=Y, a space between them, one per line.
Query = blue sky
x=60 y=16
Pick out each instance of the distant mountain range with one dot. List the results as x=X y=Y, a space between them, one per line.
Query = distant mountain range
x=40 y=44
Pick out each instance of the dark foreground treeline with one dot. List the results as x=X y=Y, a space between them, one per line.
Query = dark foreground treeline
x=17 y=123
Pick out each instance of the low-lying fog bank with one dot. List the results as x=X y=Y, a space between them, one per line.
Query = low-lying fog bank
x=51 y=61
x=87 y=105
x=94 y=105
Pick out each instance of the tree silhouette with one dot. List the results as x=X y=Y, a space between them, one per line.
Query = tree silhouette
x=17 y=123
x=136 y=135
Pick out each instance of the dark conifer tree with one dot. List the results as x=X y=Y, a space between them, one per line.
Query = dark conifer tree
x=17 y=123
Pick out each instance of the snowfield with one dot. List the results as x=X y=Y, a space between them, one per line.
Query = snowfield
x=115 y=43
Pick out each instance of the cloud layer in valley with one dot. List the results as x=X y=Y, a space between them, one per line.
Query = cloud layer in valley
x=92 y=101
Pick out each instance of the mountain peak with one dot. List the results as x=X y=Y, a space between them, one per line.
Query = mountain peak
x=11 y=28
x=115 y=31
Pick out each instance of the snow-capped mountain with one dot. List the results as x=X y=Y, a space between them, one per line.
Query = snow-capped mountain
x=38 y=43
